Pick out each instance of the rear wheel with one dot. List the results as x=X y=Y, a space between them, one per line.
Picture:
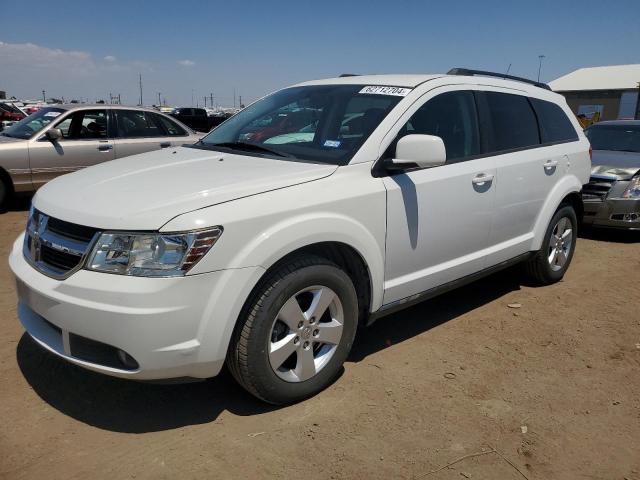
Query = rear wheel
x=295 y=332
x=551 y=262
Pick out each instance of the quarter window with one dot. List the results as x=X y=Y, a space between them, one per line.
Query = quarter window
x=513 y=122
x=452 y=117
x=554 y=124
x=172 y=128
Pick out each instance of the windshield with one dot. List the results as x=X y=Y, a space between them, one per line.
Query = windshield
x=319 y=123
x=29 y=126
x=619 y=138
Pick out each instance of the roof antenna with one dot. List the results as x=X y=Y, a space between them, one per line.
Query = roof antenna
x=508 y=68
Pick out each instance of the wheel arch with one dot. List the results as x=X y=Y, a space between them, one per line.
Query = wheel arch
x=566 y=190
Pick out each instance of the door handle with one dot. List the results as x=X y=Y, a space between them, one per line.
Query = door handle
x=105 y=148
x=165 y=144
x=482 y=178
x=549 y=164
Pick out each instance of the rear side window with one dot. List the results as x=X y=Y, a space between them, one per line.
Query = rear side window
x=452 y=117
x=554 y=124
x=137 y=124
x=513 y=122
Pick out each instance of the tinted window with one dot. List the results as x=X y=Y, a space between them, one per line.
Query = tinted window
x=513 y=122
x=200 y=112
x=452 y=117
x=620 y=138
x=137 y=124
x=554 y=124
x=171 y=128
x=84 y=125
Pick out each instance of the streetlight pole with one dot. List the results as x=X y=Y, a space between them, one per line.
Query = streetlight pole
x=540 y=57
x=44 y=99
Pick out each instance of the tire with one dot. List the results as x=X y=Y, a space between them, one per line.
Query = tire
x=551 y=262
x=274 y=343
x=5 y=193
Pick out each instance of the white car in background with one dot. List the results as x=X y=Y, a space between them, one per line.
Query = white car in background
x=267 y=256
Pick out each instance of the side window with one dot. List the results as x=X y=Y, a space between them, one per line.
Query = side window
x=137 y=124
x=452 y=117
x=84 y=125
x=171 y=128
x=513 y=122
x=554 y=124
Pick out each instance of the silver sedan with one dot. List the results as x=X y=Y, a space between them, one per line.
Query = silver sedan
x=59 y=139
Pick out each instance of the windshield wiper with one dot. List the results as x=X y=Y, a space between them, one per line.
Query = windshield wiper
x=251 y=147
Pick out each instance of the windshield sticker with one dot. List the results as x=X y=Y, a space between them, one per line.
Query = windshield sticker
x=332 y=143
x=379 y=90
x=52 y=114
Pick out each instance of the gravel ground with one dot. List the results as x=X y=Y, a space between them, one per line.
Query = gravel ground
x=549 y=390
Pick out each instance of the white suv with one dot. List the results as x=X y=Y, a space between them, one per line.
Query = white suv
x=317 y=209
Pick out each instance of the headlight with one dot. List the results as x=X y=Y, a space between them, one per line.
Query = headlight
x=151 y=254
x=633 y=190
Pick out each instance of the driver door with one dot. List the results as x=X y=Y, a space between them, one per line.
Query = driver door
x=85 y=142
x=439 y=219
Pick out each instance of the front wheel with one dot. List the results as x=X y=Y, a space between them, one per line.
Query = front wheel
x=551 y=262
x=295 y=332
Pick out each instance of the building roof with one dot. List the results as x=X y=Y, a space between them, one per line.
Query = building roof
x=614 y=77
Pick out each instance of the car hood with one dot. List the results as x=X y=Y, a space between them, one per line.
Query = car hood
x=620 y=165
x=143 y=192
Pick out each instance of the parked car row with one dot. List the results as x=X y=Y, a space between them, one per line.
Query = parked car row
x=9 y=114
x=322 y=207
x=198 y=118
x=64 y=138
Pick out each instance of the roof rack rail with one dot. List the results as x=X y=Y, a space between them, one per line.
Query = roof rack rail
x=469 y=72
x=342 y=75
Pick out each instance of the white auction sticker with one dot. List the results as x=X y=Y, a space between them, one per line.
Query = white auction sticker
x=52 y=114
x=380 y=90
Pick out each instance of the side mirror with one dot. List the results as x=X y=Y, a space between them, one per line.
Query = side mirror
x=54 y=134
x=425 y=151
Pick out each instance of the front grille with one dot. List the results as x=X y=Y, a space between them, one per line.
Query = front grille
x=71 y=230
x=60 y=260
x=56 y=247
x=598 y=188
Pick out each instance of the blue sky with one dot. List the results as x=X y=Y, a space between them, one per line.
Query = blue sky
x=88 y=49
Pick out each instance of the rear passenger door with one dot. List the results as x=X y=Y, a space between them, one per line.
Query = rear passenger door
x=526 y=170
x=138 y=131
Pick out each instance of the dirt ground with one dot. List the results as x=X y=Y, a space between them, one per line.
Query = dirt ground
x=550 y=390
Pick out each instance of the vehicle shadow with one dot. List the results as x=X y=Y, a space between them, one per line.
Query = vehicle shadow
x=611 y=235
x=406 y=324
x=135 y=407
x=128 y=406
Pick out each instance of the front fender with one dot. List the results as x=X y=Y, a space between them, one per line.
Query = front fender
x=568 y=184
x=291 y=234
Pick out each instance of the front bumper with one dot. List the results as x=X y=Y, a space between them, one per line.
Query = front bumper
x=611 y=212
x=171 y=327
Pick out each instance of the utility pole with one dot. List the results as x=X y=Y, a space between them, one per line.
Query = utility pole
x=540 y=57
x=211 y=99
x=140 y=88
x=234 y=98
x=44 y=98
x=159 y=101
x=240 y=102
x=205 y=101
